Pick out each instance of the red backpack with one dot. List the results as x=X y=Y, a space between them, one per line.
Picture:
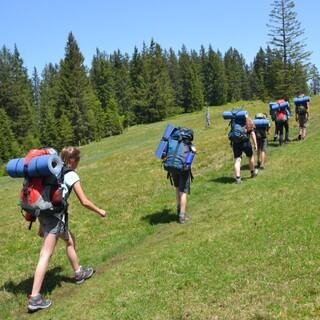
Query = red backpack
x=41 y=194
x=281 y=115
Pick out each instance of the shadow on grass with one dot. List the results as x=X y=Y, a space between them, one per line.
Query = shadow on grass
x=164 y=216
x=52 y=280
x=227 y=180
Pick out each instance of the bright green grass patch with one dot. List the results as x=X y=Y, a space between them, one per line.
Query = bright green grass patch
x=251 y=251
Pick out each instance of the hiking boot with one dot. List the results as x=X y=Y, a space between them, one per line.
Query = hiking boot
x=183 y=217
x=238 y=180
x=37 y=302
x=261 y=167
x=275 y=138
x=299 y=137
x=83 y=274
x=254 y=173
x=258 y=164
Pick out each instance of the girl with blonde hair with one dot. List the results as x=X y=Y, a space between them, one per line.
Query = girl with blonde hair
x=55 y=226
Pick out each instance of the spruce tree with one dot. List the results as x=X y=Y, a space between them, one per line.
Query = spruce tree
x=76 y=98
x=214 y=78
x=9 y=147
x=190 y=83
x=314 y=80
x=49 y=116
x=159 y=91
x=258 y=76
x=122 y=84
x=234 y=68
x=285 y=32
x=35 y=80
x=16 y=98
x=174 y=74
x=139 y=83
x=101 y=76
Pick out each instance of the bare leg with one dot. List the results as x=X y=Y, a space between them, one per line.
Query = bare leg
x=237 y=165
x=47 y=249
x=183 y=202
x=251 y=163
x=71 y=252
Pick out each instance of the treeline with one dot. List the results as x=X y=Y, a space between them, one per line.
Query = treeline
x=72 y=104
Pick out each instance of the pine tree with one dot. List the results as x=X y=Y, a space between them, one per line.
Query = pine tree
x=76 y=98
x=112 y=120
x=16 y=98
x=275 y=78
x=285 y=32
x=65 y=133
x=258 y=76
x=36 y=94
x=234 y=67
x=190 y=83
x=159 y=91
x=48 y=126
x=214 y=78
x=9 y=147
x=122 y=84
x=139 y=83
x=101 y=76
x=314 y=80
x=174 y=74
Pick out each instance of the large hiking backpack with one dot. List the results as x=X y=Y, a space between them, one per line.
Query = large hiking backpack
x=281 y=115
x=178 y=154
x=262 y=124
x=41 y=193
x=238 y=131
x=301 y=109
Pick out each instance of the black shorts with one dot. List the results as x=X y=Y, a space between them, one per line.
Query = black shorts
x=181 y=180
x=239 y=148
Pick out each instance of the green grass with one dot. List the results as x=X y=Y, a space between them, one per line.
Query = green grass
x=251 y=251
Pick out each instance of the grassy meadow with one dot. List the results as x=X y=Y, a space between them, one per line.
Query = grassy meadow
x=250 y=251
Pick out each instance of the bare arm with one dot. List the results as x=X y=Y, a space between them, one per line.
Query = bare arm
x=85 y=201
x=254 y=138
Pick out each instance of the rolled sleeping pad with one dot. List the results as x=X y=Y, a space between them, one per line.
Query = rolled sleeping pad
x=278 y=106
x=271 y=104
x=298 y=101
x=15 y=167
x=229 y=115
x=261 y=123
x=164 y=141
x=42 y=166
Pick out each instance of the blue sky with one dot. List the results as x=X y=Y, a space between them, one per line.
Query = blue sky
x=40 y=28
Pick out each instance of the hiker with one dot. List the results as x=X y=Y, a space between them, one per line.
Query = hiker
x=273 y=118
x=302 y=108
x=177 y=160
x=282 y=115
x=207 y=117
x=55 y=226
x=262 y=126
x=242 y=129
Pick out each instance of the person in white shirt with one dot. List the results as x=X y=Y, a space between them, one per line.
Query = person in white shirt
x=55 y=226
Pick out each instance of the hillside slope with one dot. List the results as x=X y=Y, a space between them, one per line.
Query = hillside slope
x=251 y=251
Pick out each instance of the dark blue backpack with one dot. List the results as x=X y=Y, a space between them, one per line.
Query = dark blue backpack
x=178 y=155
x=238 y=132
